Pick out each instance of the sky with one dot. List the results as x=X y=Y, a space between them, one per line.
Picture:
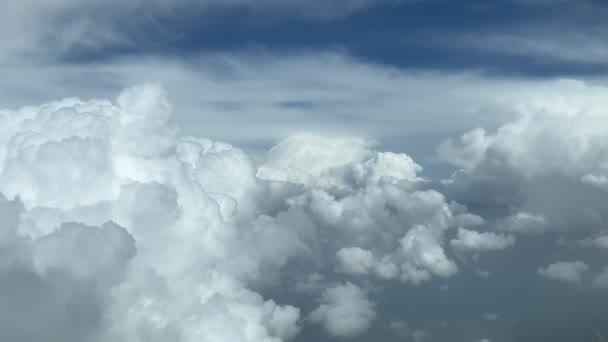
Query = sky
x=290 y=170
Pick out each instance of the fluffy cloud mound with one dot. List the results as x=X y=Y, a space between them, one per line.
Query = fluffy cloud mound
x=57 y=287
x=127 y=230
x=517 y=176
x=345 y=311
x=172 y=267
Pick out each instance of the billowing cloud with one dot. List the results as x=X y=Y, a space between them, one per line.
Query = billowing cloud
x=166 y=236
x=355 y=261
x=519 y=174
x=345 y=311
x=173 y=271
x=57 y=287
x=159 y=236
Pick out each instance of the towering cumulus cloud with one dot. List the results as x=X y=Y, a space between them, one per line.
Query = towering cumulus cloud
x=115 y=227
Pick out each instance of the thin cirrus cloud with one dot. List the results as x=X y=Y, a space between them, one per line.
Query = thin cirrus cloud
x=53 y=29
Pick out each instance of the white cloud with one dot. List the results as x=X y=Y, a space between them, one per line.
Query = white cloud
x=204 y=225
x=472 y=241
x=355 y=261
x=95 y=161
x=570 y=272
x=424 y=255
x=518 y=174
x=345 y=311
x=210 y=226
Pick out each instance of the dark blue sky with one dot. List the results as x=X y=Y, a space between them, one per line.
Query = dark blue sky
x=508 y=37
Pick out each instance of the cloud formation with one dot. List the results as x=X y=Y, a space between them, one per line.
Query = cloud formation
x=345 y=311
x=130 y=230
x=518 y=174
x=472 y=241
x=168 y=236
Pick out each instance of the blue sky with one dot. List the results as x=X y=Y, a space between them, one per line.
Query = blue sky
x=492 y=36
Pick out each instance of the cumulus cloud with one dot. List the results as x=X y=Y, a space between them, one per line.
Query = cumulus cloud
x=355 y=261
x=472 y=241
x=93 y=162
x=162 y=236
x=345 y=311
x=566 y=271
x=517 y=175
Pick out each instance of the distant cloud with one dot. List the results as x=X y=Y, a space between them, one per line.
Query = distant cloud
x=472 y=241
x=574 y=46
x=566 y=271
x=345 y=311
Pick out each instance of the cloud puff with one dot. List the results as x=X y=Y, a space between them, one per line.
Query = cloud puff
x=566 y=271
x=355 y=261
x=472 y=241
x=345 y=311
